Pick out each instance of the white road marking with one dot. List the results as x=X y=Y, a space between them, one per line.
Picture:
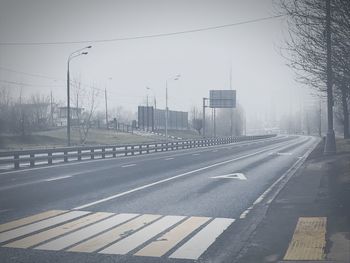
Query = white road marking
x=171 y=178
x=284 y=153
x=75 y=237
x=171 y=238
x=238 y=176
x=40 y=237
x=24 y=230
x=131 y=242
x=30 y=219
x=167 y=159
x=128 y=165
x=198 y=244
x=114 y=234
x=124 y=158
x=195 y=154
x=57 y=178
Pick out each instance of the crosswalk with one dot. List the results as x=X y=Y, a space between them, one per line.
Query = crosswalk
x=144 y=235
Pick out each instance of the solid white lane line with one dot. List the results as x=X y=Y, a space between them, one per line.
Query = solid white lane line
x=40 y=237
x=57 y=178
x=195 y=154
x=128 y=165
x=131 y=242
x=167 y=159
x=75 y=237
x=171 y=238
x=170 y=179
x=114 y=234
x=24 y=230
x=198 y=244
x=30 y=219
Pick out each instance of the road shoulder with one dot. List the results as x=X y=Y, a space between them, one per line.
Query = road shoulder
x=318 y=190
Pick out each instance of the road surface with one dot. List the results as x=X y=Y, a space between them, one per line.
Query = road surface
x=177 y=206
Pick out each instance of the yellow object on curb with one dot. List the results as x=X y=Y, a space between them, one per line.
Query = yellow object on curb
x=309 y=240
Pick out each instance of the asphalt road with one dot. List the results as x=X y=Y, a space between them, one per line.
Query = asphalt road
x=179 y=206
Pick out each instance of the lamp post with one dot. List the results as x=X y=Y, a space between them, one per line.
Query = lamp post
x=166 y=105
x=74 y=54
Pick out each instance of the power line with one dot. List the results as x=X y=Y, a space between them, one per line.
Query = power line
x=142 y=36
x=26 y=84
x=28 y=74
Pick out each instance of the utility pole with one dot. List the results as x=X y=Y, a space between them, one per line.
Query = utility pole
x=214 y=117
x=106 y=109
x=51 y=109
x=68 y=105
x=204 y=116
x=231 y=110
x=166 y=111
x=147 y=112
x=330 y=147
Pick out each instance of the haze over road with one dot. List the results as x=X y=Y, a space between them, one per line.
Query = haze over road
x=148 y=208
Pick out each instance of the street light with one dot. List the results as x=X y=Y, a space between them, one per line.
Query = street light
x=74 y=54
x=166 y=105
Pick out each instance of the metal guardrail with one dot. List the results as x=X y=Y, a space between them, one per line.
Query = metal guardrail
x=24 y=158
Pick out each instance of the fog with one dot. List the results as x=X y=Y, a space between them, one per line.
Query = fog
x=264 y=83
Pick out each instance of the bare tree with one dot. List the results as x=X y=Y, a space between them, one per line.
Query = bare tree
x=85 y=101
x=306 y=47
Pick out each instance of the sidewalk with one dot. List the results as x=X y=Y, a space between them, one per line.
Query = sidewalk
x=309 y=220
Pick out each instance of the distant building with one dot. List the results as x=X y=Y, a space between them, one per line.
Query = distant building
x=154 y=119
x=75 y=113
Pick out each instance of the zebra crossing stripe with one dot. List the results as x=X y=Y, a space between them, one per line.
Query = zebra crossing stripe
x=80 y=235
x=163 y=244
x=57 y=231
x=181 y=237
x=106 y=238
x=137 y=239
x=30 y=219
x=198 y=244
x=24 y=230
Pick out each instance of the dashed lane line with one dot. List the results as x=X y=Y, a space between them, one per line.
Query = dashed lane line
x=128 y=165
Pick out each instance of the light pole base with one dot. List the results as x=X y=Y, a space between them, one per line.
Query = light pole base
x=330 y=147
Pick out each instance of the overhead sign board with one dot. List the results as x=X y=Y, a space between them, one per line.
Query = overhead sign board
x=222 y=99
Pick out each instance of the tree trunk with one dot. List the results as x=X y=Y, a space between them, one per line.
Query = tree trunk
x=345 y=111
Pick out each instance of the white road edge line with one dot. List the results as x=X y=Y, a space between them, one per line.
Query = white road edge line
x=297 y=164
x=172 y=178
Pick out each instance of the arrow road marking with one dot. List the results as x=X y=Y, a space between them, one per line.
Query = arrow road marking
x=238 y=176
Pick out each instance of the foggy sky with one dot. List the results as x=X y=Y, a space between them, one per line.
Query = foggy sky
x=259 y=74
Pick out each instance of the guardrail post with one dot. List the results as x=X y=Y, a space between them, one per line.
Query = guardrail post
x=49 y=158
x=92 y=154
x=147 y=148
x=156 y=146
x=103 y=152
x=126 y=150
x=132 y=150
x=114 y=149
x=65 y=156
x=79 y=155
x=16 y=160
x=140 y=149
x=177 y=145
x=32 y=160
